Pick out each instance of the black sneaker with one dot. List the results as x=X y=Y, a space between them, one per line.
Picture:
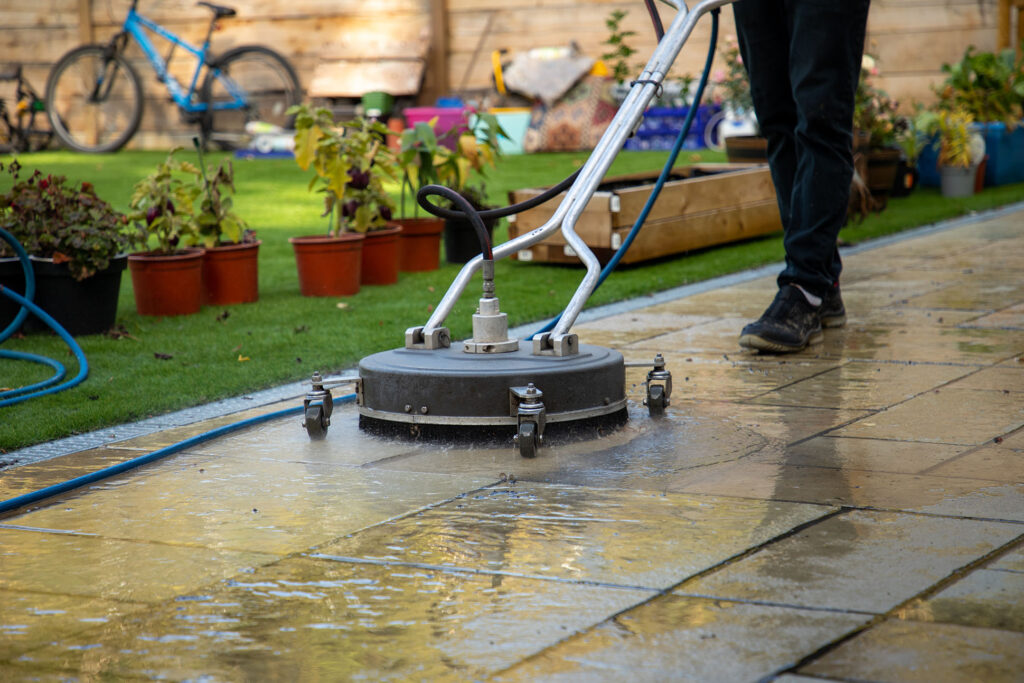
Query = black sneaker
x=833 y=312
x=790 y=324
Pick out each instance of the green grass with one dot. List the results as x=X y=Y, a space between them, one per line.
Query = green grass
x=285 y=336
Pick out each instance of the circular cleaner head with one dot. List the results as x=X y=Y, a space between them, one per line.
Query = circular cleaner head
x=448 y=393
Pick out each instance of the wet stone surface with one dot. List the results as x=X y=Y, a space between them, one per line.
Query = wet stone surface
x=854 y=511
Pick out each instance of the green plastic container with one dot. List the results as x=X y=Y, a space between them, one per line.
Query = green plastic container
x=377 y=104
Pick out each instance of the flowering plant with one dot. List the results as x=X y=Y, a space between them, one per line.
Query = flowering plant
x=875 y=113
x=732 y=85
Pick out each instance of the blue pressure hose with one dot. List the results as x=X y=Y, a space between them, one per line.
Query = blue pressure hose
x=48 y=386
x=666 y=171
x=113 y=470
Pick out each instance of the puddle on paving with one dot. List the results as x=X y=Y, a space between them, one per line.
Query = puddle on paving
x=585 y=534
x=918 y=652
x=861 y=560
x=985 y=598
x=680 y=638
x=323 y=620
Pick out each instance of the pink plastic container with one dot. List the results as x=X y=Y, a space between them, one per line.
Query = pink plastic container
x=447 y=119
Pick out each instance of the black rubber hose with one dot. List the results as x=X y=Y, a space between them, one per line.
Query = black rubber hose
x=467 y=210
x=659 y=29
x=442 y=212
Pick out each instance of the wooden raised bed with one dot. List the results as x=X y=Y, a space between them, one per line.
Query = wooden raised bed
x=701 y=206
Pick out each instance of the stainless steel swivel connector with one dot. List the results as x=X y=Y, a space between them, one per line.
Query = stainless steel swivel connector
x=490 y=325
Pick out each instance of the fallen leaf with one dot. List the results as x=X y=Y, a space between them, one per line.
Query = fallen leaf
x=242 y=359
x=162 y=356
x=223 y=315
x=301 y=328
x=237 y=348
x=342 y=305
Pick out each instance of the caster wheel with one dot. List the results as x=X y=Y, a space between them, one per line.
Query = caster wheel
x=656 y=400
x=316 y=423
x=527 y=440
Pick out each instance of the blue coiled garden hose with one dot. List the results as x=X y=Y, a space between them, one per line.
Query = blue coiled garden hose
x=48 y=386
x=665 y=172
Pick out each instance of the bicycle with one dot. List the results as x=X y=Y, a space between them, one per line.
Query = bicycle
x=19 y=130
x=94 y=95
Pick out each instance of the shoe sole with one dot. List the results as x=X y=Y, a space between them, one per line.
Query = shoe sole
x=753 y=341
x=834 y=320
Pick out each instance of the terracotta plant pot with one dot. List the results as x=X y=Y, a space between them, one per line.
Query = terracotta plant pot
x=230 y=274
x=328 y=266
x=420 y=244
x=167 y=284
x=87 y=306
x=380 y=256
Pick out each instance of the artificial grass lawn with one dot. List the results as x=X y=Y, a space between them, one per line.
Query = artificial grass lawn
x=228 y=351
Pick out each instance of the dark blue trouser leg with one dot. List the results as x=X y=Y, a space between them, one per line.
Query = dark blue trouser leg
x=803 y=57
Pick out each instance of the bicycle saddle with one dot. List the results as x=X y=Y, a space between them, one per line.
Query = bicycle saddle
x=10 y=72
x=218 y=10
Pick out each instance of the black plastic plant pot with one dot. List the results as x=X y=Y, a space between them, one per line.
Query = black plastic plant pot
x=86 y=307
x=461 y=243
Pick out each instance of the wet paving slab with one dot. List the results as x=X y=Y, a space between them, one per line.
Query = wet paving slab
x=918 y=652
x=851 y=512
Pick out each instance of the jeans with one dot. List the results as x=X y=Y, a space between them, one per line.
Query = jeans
x=803 y=58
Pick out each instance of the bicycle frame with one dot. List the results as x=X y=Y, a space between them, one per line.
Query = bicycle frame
x=135 y=25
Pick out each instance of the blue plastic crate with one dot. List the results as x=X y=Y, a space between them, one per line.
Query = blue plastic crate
x=661 y=125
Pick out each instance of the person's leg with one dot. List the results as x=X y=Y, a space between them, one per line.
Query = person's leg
x=764 y=38
x=827 y=43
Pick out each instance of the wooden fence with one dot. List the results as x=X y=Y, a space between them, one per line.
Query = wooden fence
x=911 y=38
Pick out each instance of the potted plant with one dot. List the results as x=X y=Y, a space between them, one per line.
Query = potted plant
x=910 y=140
x=78 y=247
x=877 y=124
x=463 y=169
x=990 y=87
x=167 y=277
x=230 y=261
x=956 y=171
x=421 y=235
x=350 y=162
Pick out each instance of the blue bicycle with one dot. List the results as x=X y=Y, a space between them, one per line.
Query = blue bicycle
x=94 y=95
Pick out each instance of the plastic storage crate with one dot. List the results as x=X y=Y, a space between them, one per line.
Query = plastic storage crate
x=1005 y=150
x=661 y=125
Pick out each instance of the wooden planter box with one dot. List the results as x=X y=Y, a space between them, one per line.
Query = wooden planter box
x=702 y=206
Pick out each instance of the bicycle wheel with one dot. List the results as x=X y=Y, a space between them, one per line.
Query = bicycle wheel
x=247 y=84
x=94 y=102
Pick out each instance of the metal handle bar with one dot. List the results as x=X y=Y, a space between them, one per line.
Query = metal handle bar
x=595 y=168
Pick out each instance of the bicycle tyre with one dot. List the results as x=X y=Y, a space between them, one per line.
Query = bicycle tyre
x=248 y=66
x=115 y=117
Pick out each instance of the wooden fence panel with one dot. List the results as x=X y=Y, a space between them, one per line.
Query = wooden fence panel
x=911 y=38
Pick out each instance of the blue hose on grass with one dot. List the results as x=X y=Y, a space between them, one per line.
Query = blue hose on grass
x=113 y=470
x=12 y=396
x=665 y=172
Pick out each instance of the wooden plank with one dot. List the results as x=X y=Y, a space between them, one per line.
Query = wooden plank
x=696 y=195
x=355 y=78
x=594 y=224
x=698 y=231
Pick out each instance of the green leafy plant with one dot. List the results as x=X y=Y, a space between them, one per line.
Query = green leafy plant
x=988 y=86
x=350 y=161
x=418 y=152
x=954 y=138
x=464 y=169
x=215 y=217
x=69 y=224
x=162 y=202
x=619 y=51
